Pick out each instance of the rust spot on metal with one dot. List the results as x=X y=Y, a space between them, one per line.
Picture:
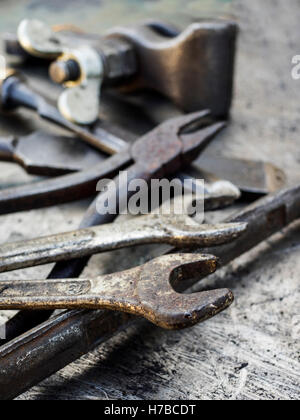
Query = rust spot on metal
x=277 y=217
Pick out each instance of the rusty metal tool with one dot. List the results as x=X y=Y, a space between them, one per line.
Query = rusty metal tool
x=150 y=155
x=45 y=154
x=180 y=65
x=15 y=92
x=63 y=155
x=173 y=229
x=160 y=149
x=146 y=291
x=66 y=337
x=159 y=154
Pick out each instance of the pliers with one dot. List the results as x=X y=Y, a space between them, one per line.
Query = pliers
x=44 y=154
x=160 y=153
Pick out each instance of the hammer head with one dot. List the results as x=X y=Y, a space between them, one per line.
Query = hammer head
x=194 y=69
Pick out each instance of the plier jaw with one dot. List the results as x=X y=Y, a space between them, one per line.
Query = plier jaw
x=174 y=143
x=194 y=131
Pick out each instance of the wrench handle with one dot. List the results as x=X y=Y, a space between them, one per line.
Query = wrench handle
x=73 y=268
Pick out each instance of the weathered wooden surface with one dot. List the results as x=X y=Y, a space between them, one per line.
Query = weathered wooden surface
x=252 y=350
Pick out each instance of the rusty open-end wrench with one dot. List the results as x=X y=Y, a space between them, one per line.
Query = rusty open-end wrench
x=145 y=291
x=176 y=230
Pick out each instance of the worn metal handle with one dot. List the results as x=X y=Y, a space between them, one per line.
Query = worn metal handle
x=174 y=230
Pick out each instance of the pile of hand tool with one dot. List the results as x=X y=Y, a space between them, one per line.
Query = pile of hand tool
x=188 y=78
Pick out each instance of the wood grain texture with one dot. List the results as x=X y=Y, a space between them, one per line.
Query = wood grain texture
x=251 y=351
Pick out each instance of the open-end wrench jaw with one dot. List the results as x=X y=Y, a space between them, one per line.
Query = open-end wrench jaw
x=171 y=310
x=184 y=232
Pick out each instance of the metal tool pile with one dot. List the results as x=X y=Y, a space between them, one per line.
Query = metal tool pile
x=193 y=70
